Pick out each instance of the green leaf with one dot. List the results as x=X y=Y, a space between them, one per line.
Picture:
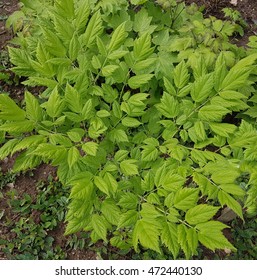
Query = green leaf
x=139 y=80
x=87 y=111
x=170 y=238
x=73 y=156
x=226 y=199
x=130 y=122
x=128 y=219
x=74 y=47
x=147 y=232
x=99 y=225
x=186 y=198
x=128 y=167
x=7 y=148
x=232 y=189
x=223 y=129
x=101 y=185
x=142 y=47
x=212 y=113
x=33 y=110
x=202 y=88
x=182 y=231
x=111 y=211
x=28 y=142
x=108 y=70
x=160 y=175
x=94 y=28
x=143 y=65
x=26 y=161
x=81 y=15
x=121 y=155
x=200 y=214
x=210 y=236
x=169 y=106
x=111 y=182
x=118 y=37
x=73 y=99
x=18 y=127
x=90 y=148
x=128 y=201
x=181 y=75
x=55 y=104
x=118 y=135
x=9 y=110
x=149 y=153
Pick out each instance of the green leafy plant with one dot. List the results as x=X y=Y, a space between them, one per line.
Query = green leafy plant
x=147 y=116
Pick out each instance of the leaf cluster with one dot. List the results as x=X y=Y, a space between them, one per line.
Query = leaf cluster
x=148 y=114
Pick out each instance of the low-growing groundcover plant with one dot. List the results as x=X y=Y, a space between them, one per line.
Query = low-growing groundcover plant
x=149 y=113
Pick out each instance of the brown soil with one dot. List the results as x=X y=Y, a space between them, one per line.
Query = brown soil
x=6 y=8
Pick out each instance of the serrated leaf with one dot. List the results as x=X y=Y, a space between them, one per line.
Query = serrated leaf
x=117 y=54
x=94 y=28
x=73 y=99
x=9 y=110
x=212 y=237
x=108 y=70
x=142 y=47
x=33 y=110
x=111 y=182
x=232 y=189
x=87 y=110
x=74 y=47
x=200 y=214
x=26 y=161
x=118 y=135
x=55 y=104
x=128 y=201
x=18 y=126
x=73 y=156
x=147 y=233
x=128 y=218
x=231 y=94
x=202 y=88
x=186 y=198
x=170 y=239
x=181 y=75
x=101 y=184
x=90 y=148
x=121 y=155
x=226 y=199
x=139 y=80
x=117 y=38
x=28 y=142
x=130 y=122
x=81 y=15
x=128 y=167
x=183 y=241
x=143 y=64
x=111 y=211
x=7 y=148
x=160 y=175
x=223 y=129
x=149 y=153
x=212 y=113
x=169 y=106
x=99 y=226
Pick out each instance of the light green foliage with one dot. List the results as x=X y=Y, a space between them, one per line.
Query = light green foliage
x=137 y=118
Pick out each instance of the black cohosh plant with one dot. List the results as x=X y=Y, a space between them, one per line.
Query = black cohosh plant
x=146 y=114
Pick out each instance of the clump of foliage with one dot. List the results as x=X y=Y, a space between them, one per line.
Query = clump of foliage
x=147 y=114
x=30 y=232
